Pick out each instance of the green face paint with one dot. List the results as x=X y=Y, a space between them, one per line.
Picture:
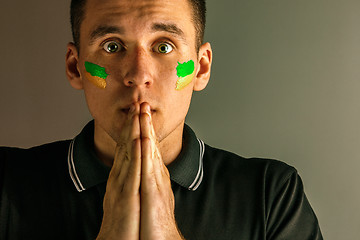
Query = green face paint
x=185 y=72
x=95 y=70
x=96 y=74
x=185 y=69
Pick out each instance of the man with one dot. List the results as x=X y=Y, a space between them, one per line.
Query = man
x=137 y=171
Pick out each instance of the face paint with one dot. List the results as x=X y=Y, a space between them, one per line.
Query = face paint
x=185 y=72
x=96 y=74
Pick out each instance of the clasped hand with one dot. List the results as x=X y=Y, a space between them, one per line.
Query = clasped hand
x=139 y=202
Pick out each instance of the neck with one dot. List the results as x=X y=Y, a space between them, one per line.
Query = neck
x=169 y=147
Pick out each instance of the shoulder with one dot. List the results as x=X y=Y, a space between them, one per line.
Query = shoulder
x=36 y=169
x=224 y=163
x=45 y=149
x=38 y=157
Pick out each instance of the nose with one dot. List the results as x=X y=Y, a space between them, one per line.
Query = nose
x=139 y=70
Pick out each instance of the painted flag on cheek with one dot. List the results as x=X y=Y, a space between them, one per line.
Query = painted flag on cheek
x=185 y=72
x=96 y=74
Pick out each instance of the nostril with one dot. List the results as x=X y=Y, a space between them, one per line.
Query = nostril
x=140 y=78
x=129 y=82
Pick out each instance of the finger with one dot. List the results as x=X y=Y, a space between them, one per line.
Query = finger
x=146 y=126
x=148 y=178
x=133 y=177
x=128 y=159
x=119 y=154
x=159 y=164
x=146 y=109
x=122 y=145
x=145 y=119
x=160 y=170
x=134 y=130
x=126 y=129
x=146 y=132
x=152 y=130
x=133 y=172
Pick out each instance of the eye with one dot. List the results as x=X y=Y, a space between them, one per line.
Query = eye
x=164 y=48
x=112 y=47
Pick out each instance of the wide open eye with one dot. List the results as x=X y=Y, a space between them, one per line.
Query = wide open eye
x=112 y=47
x=164 y=48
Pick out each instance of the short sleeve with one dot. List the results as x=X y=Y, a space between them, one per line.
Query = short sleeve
x=289 y=215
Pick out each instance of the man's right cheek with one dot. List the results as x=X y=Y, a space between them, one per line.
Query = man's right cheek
x=96 y=74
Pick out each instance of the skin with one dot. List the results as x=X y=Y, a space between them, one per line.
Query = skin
x=139 y=116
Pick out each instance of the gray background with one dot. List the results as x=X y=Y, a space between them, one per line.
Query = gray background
x=285 y=85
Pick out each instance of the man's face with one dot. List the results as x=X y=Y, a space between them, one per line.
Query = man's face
x=139 y=43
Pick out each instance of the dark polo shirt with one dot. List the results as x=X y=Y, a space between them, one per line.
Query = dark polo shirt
x=55 y=191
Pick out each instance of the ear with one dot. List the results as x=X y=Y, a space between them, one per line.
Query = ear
x=72 y=67
x=203 y=73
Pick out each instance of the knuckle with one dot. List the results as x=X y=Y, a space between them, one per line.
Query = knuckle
x=134 y=117
x=146 y=140
x=120 y=148
x=145 y=116
x=136 y=141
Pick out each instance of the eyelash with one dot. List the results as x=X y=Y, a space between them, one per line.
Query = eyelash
x=122 y=47
x=156 y=47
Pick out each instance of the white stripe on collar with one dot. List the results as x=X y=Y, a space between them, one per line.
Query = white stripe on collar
x=72 y=170
x=79 y=187
x=200 y=174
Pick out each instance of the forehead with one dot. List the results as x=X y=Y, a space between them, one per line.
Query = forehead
x=138 y=15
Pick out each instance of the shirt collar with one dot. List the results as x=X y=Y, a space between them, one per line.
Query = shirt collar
x=86 y=170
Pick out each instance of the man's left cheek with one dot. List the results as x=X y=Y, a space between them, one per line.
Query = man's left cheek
x=185 y=74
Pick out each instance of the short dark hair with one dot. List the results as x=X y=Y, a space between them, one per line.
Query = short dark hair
x=77 y=13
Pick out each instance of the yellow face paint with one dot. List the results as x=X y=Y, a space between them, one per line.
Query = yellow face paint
x=186 y=73
x=96 y=74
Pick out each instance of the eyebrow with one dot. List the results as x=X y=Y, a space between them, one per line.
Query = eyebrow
x=169 y=28
x=103 y=30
